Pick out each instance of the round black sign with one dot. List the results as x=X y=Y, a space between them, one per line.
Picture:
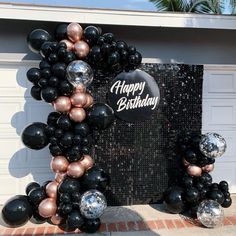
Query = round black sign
x=134 y=95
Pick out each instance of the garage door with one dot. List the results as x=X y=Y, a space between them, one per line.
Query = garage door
x=219 y=115
x=18 y=165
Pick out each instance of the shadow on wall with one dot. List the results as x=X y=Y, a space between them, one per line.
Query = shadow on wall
x=26 y=161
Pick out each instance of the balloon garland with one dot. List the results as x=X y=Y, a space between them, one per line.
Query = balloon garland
x=194 y=190
x=70 y=63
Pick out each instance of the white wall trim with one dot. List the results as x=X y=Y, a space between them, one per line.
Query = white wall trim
x=115 y=17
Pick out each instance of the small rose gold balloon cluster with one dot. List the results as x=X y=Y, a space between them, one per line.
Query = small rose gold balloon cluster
x=75 y=105
x=194 y=170
x=75 y=40
x=59 y=164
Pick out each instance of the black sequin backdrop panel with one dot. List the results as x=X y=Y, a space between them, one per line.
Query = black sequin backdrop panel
x=140 y=157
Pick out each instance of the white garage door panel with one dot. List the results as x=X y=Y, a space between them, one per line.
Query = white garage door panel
x=219 y=115
x=19 y=165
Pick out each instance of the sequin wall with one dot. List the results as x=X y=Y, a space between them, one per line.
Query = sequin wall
x=140 y=157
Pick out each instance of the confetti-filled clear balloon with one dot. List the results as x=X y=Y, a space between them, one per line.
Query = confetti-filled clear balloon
x=79 y=72
x=92 y=204
x=212 y=145
x=210 y=213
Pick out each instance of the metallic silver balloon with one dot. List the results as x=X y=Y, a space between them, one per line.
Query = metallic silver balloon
x=79 y=72
x=210 y=213
x=92 y=204
x=212 y=145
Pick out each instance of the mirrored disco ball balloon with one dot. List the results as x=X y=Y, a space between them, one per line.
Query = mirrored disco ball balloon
x=210 y=213
x=92 y=204
x=79 y=72
x=212 y=145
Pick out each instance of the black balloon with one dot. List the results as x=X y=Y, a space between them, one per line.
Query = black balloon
x=187 y=181
x=67 y=208
x=65 y=88
x=53 y=117
x=36 y=218
x=73 y=154
x=227 y=202
x=95 y=178
x=59 y=70
x=91 y=34
x=46 y=49
x=43 y=83
x=53 y=81
x=36 y=195
x=74 y=220
x=55 y=150
x=223 y=185
x=216 y=195
x=64 y=122
x=35 y=92
x=69 y=185
x=82 y=129
x=61 y=32
x=17 y=211
x=49 y=94
x=67 y=140
x=192 y=195
x=65 y=198
x=34 y=136
x=100 y=116
x=44 y=64
x=190 y=156
x=90 y=225
x=33 y=75
x=36 y=38
x=173 y=200
x=31 y=186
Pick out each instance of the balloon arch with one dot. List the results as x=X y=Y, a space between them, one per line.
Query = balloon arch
x=71 y=61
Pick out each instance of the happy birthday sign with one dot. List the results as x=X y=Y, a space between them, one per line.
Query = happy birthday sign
x=134 y=95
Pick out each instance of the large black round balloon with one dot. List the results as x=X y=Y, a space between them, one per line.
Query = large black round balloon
x=134 y=95
x=36 y=38
x=69 y=185
x=216 y=195
x=173 y=200
x=61 y=32
x=34 y=136
x=37 y=195
x=95 y=178
x=91 y=34
x=49 y=94
x=31 y=186
x=35 y=93
x=90 y=225
x=33 y=75
x=74 y=220
x=192 y=195
x=17 y=211
x=100 y=116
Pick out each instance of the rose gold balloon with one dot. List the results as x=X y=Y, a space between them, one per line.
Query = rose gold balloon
x=208 y=168
x=74 y=32
x=186 y=163
x=78 y=99
x=89 y=102
x=80 y=88
x=81 y=49
x=69 y=44
x=47 y=208
x=194 y=170
x=59 y=177
x=56 y=219
x=51 y=189
x=87 y=162
x=75 y=170
x=77 y=114
x=59 y=164
x=62 y=104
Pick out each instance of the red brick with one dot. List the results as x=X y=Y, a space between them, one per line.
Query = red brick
x=8 y=231
x=122 y=226
x=103 y=228
x=112 y=227
x=159 y=224
x=232 y=219
x=40 y=231
x=188 y=224
x=227 y=222
x=151 y=224
x=50 y=230
x=29 y=231
x=169 y=224
x=19 y=232
x=141 y=225
x=132 y=226
x=179 y=224
x=59 y=231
